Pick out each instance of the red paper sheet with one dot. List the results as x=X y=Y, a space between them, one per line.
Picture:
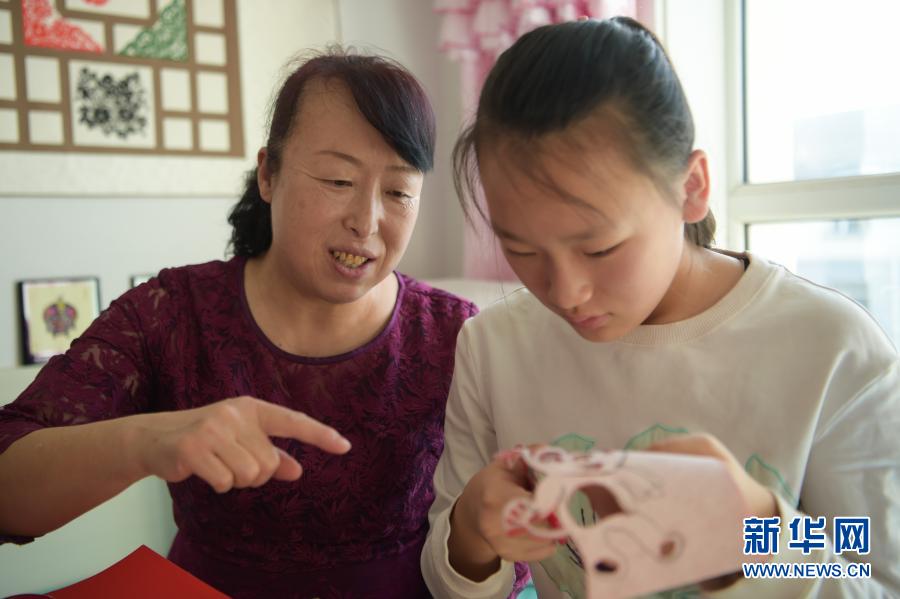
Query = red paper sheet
x=143 y=574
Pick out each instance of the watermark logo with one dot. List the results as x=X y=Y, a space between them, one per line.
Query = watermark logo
x=761 y=535
x=807 y=534
x=850 y=535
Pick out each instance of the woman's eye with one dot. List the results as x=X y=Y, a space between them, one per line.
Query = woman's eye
x=340 y=183
x=400 y=194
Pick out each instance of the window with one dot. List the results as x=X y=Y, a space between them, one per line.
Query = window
x=859 y=257
x=814 y=175
x=822 y=95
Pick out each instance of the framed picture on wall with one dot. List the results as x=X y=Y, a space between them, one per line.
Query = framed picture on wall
x=53 y=313
x=138 y=279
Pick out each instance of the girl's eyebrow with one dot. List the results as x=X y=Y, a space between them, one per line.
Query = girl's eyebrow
x=500 y=232
x=583 y=236
x=405 y=168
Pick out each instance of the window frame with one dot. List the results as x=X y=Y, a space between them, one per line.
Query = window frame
x=857 y=197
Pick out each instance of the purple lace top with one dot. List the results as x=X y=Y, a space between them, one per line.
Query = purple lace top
x=353 y=525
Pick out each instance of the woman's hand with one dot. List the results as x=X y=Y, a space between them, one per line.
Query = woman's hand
x=478 y=538
x=227 y=443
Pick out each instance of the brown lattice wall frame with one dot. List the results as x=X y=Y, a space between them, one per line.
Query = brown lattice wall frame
x=201 y=131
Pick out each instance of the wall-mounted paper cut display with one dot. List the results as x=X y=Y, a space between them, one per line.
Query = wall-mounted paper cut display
x=53 y=313
x=637 y=522
x=140 y=279
x=142 y=76
x=113 y=105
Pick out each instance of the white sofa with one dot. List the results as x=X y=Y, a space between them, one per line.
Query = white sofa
x=142 y=514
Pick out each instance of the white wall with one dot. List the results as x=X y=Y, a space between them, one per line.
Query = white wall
x=140 y=515
x=117 y=236
x=407 y=30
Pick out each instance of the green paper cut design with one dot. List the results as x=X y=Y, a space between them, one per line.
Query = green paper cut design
x=574 y=442
x=655 y=433
x=769 y=477
x=166 y=39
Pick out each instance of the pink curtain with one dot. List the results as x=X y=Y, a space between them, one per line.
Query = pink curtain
x=474 y=33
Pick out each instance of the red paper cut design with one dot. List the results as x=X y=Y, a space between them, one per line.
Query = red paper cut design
x=46 y=30
x=60 y=317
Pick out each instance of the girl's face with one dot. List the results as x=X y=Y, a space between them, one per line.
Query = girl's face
x=590 y=235
x=344 y=204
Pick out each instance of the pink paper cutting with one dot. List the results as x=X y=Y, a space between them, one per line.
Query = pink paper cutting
x=659 y=520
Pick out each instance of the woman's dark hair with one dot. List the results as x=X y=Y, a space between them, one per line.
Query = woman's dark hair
x=557 y=75
x=387 y=95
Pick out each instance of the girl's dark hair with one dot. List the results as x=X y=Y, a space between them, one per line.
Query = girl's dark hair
x=387 y=95
x=557 y=75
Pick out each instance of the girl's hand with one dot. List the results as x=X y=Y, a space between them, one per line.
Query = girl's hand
x=227 y=443
x=759 y=499
x=477 y=537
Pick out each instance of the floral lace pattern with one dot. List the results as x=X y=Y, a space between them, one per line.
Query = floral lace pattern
x=186 y=339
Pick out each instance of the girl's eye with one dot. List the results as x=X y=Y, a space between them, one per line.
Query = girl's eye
x=601 y=253
x=519 y=254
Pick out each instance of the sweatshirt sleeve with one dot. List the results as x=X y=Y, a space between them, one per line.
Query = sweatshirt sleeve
x=853 y=471
x=469 y=444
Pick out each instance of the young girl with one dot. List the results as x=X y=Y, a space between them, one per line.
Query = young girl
x=634 y=333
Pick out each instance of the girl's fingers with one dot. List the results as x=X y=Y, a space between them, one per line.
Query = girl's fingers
x=698 y=444
x=527 y=550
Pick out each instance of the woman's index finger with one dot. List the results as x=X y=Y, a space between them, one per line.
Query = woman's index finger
x=279 y=421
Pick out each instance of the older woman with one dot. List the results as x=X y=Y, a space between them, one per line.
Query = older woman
x=223 y=378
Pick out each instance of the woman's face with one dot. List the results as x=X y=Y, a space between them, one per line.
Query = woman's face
x=344 y=204
x=590 y=235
